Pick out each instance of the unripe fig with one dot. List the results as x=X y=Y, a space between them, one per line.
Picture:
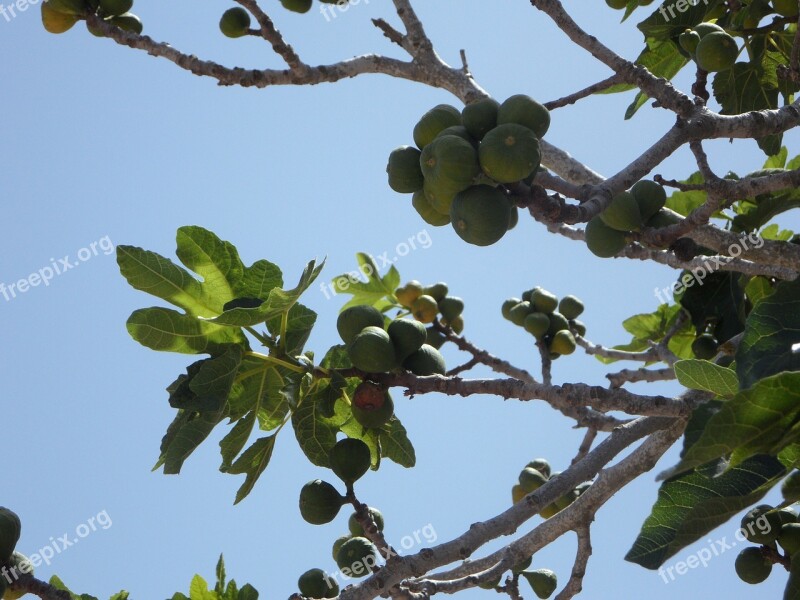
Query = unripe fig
x=355 y=526
x=752 y=566
x=319 y=502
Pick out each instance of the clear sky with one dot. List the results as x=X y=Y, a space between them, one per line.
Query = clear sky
x=102 y=144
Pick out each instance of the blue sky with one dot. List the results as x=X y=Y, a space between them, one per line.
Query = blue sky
x=102 y=144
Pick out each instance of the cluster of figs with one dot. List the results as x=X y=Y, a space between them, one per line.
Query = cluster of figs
x=59 y=16
x=769 y=528
x=551 y=321
x=320 y=503
x=462 y=160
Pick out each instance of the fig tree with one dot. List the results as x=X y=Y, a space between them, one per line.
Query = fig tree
x=543 y=582
x=480 y=117
x=602 y=240
x=355 y=526
x=319 y=502
x=350 y=458
x=509 y=153
x=21 y=564
x=372 y=351
x=355 y=319
x=407 y=337
x=524 y=110
x=405 y=175
x=752 y=566
x=425 y=361
x=450 y=307
x=235 y=22
x=358 y=555
x=433 y=122
x=480 y=215
x=623 y=213
x=522 y=565
x=425 y=308
x=315 y=583
x=374 y=416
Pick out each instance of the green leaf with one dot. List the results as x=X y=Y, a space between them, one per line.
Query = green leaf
x=260 y=387
x=662 y=59
x=315 y=432
x=693 y=504
x=152 y=273
x=649 y=328
x=233 y=443
x=754 y=214
x=186 y=433
x=216 y=261
x=757 y=289
x=248 y=592
x=755 y=421
x=278 y=302
x=684 y=203
x=774 y=232
x=790 y=456
x=259 y=280
x=773 y=326
x=395 y=444
x=778 y=161
x=207 y=384
x=748 y=87
x=252 y=462
x=299 y=323
x=376 y=291
x=198 y=590
x=707 y=376
x=167 y=330
x=220 y=585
